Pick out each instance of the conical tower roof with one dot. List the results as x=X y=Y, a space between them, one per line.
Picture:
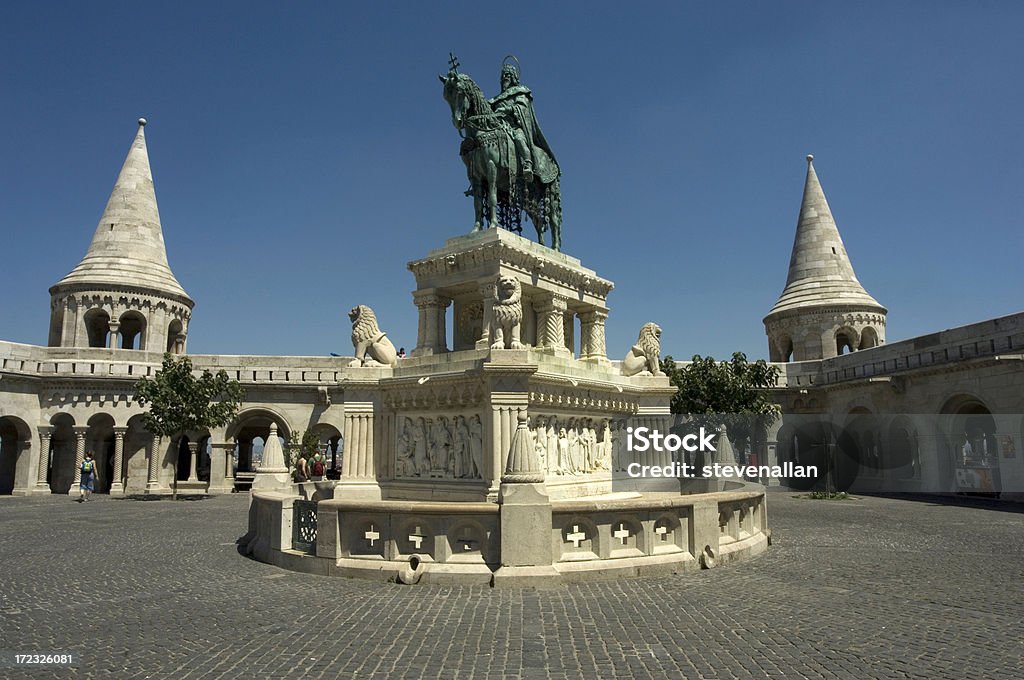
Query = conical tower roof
x=128 y=246
x=820 y=272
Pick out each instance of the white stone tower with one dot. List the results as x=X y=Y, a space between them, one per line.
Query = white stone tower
x=123 y=293
x=823 y=310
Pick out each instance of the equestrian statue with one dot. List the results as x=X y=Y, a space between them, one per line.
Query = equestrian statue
x=510 y=165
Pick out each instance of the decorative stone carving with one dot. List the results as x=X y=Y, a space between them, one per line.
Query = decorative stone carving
x=369 y=339
x=506 y=314
x=523 y=466
x=643 y=357
x=441 y=449
x=576 y=446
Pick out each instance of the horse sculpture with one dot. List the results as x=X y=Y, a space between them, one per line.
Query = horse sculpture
x=501 y=190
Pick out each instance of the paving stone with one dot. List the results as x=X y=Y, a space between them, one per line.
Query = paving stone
x=872 y=587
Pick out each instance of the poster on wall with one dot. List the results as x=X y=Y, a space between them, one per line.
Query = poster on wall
x=1007 y=448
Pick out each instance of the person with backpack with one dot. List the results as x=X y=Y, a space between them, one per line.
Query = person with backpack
x=317 y=466
x=89 y=477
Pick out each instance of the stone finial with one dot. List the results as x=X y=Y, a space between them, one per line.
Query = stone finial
x=142 y=122
x=810 y=158
x=273 y=454
x=523 y=465
x=644 y=357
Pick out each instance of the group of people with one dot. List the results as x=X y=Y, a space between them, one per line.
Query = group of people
x=442 y=449
x=311 y=468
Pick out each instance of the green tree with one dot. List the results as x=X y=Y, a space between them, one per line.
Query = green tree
x=305 y=444
x=734 y=393
x=181 y=402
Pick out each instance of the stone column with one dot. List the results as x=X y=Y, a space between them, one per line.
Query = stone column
x=551 y=324
x=592 y=342
x=80 y=434
x=153 y=448
x=432 y=335
x=193 y=456
x=117 y=483
x=221 y=467
x=42 y=486
x=358 y=465
x=487 y=293
x=112 y=341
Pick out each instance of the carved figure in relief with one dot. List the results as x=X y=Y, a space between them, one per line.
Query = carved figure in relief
x=506 y=314
x=405 y=463
x=575 y=454
x=369 y=340
x=460 y=449
x=552 y=445
x=645 y=354
x=419 y=440
x=476 y=447
x=563 y=452
x=540 y=441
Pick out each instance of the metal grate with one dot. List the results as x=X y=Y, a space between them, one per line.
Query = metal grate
x=304 y=526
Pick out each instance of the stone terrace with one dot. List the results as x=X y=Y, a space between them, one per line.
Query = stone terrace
x=867 y=588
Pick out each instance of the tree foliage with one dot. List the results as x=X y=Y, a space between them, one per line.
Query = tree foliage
x=733 y=393
x=180 y=401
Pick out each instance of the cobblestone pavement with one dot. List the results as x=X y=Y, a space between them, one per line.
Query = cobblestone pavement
x=857 y=589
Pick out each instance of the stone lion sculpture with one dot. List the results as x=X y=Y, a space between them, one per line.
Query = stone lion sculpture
x=507 y=317
x=372 y=346
x=643 y=356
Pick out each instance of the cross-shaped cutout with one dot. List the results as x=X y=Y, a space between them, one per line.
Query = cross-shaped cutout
x=467 y=541
x=372 y=535
x=576 y=537
x=417 y=537
x=622 y=533
x=662 y=531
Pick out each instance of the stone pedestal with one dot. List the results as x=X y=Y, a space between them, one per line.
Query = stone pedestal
x=554 y=286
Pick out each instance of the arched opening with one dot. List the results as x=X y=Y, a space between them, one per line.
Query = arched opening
x=100 y=440
x=332 y=446
x=973 y=446
x=14 y=435
x=97 y=327
x=56 y=323
x=868 y=338
x=136 y=463
x=250 y=431
x=782 y=349
x=173 y=342
x=203 y=459
x=133 y=330
x=61 y=473
x=845 y=341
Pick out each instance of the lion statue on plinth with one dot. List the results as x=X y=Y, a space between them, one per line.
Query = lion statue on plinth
x=507 y=316
x=372 y=346
x=644 y=355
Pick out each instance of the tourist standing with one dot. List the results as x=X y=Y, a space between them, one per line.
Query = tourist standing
x=89 y=477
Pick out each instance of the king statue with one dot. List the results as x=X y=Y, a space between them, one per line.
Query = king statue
x=509 y=162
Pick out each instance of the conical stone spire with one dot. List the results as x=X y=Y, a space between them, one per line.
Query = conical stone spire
x=820 y=272
x=128 y=246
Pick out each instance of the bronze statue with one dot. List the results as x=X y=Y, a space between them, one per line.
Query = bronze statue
x=509 y=162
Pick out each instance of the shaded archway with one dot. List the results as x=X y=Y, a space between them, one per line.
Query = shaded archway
x=97 y=327
x=868 y=338
x=332 y=446
x=846 y=340
x=132 y=330
x=100 y=440
x=61 y=472
x=15 y=436
x=250 y=430
x=972 y=445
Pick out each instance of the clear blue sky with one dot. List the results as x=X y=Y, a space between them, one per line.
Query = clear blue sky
x=303 y=154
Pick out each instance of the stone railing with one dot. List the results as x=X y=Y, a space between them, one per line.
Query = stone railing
x=459 y=541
